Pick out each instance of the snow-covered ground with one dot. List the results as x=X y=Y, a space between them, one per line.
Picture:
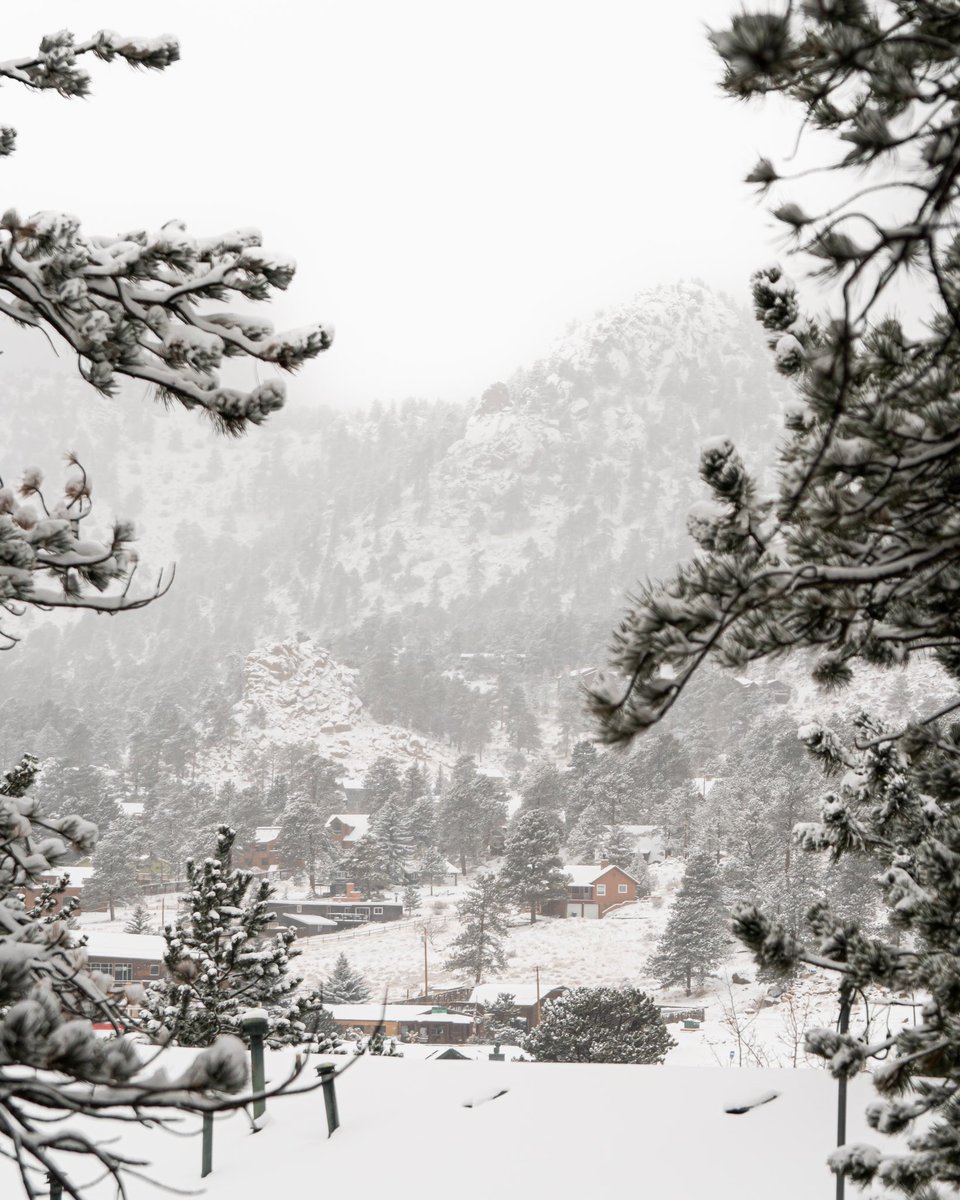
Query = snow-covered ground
x=743 y=1026
x=413 y=1128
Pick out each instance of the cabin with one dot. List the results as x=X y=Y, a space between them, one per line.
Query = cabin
x=76 y=877
x=262 y=853
x=527 y=998
x=128 y=957
x=346 y=829
x=343 y=913
x=593 y=890
x=409 y=1022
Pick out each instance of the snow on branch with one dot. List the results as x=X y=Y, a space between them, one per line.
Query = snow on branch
x=133 y=306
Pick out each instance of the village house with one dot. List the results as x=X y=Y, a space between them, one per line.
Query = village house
x=261 y=854
x=128 y=957
x=346 y=829
x=424 y=1023
x=76 y=878
x=341 y=913
x=594 y=889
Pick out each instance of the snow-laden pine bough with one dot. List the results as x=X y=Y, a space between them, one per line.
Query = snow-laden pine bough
x=135 y=306
x=53 y=1064
x=855 y=556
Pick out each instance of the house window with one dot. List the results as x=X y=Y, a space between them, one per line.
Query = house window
x=154 y=970
x=377 y=912
x=601 y=889
x=121 y=972
x=299 y=908
x=622 y=889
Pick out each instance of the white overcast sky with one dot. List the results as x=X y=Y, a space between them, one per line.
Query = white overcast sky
x=455 y=180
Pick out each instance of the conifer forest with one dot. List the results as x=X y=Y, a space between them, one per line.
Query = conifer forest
x=479 y=556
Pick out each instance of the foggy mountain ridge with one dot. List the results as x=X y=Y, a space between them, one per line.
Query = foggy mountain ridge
x=510 y=528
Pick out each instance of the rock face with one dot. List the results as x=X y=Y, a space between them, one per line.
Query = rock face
x=296 y=693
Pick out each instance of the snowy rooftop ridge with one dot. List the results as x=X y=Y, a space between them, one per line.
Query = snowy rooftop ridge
x=584 y=874
x=414 y=1013
x=109 y=944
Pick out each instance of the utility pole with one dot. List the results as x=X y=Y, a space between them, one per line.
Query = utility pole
x=537 y=1010
x=846 y=1002
x=426 y=986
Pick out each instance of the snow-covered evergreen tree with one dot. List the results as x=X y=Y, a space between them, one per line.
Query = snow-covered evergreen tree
x=48 y=1000
x=472 y=809
x=140 y=921
x=586 y=838
x=412 y=901
x=604 y=1024
x=366 y=865
x=219 y=961
x=695 y=937
x=855 y=556
x=114 y=879
x=128 y=306
x=303 y=842
x=432 y=868
x=345 y=984
x=477 y=950
x=532 y=872
x=503 y=1022
x=390 y=826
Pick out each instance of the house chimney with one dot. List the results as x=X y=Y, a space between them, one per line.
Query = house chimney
x=604 y=863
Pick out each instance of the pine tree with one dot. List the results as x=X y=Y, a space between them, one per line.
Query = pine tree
x=694 y=940
x=618 y=846
x=854 y=556
x=390 y=826
x=303 y=842
x=57 y=279
x=219 y=962
x=601 y=1025
x=366 y=866
x=114 y=878
x=471 y=809
x=46 y=987
x=140 y=921
x=478 y=948
x=433 y=867
x=412 y=902
x=503 y=1021
x=345 y=985
x=381 y=782
x=532 y=872
x=585 y=840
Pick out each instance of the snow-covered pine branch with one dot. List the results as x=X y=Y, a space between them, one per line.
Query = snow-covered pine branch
x=135 y=305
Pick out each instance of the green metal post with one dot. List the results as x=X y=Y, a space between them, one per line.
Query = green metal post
x=255 y=1026
x=846 y=1002
x=328 y=1075
x=206 y=1160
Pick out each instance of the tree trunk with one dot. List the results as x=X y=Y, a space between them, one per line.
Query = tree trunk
x=688 y=981
x=313 y=879
x=110 y=908
x=533 y=911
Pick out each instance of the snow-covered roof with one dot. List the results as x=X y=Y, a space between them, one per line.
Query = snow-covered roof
x=108 y=944
x=523 y=993
x=414 y=1013
x=306 y=919
x=76 y=876
x=690 y=1146
x=131 y=808
x=266 y=833
x=358 y=822
x=584 y=874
